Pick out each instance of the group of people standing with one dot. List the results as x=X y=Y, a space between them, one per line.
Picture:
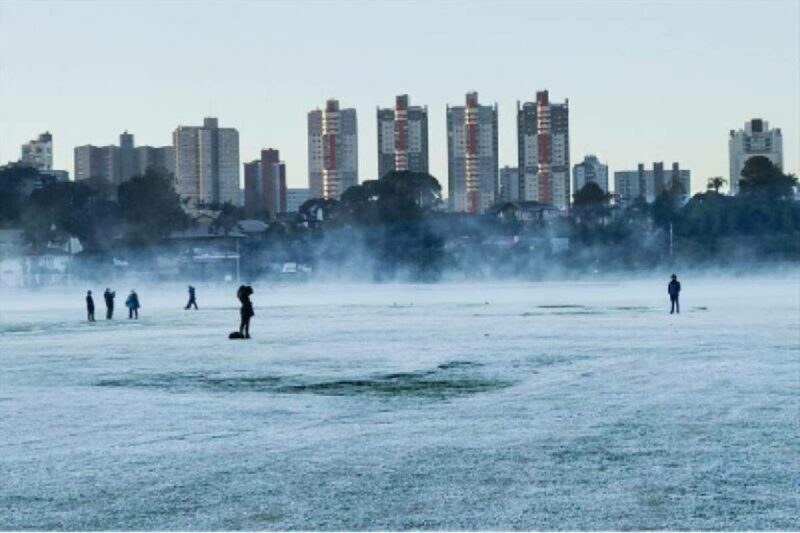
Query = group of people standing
x=132 y=303
x=246 y=312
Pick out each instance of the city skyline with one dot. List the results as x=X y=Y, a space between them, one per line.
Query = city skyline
x=616 y=111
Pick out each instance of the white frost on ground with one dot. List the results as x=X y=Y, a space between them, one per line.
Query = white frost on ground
x=453 y=406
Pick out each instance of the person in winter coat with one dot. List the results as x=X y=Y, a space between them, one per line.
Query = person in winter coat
x=109 y=296
x=89 y=306
x=674 y=289
x=132 y=303
x=243 y=294
x=192 y=298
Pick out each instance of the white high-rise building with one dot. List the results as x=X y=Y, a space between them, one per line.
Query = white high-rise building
x=543 y=148
x=472 y=162
x=332 y=151
x=207 y=163
x=38 y=153
x=755 y=139
x=402 y=138
x=591 y=170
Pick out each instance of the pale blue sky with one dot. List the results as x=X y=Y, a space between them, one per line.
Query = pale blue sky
x=646 y=81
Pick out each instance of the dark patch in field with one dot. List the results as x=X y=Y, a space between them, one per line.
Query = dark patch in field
x=453 y=378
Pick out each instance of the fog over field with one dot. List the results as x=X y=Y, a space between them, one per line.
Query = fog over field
x=485 y=405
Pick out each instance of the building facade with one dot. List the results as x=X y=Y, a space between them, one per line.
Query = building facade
x=648 y=184
x=509 y=184
x=161 y=159
x=295 y=198
x=591 y=170
x=252 y=187
x=265 y=184
x=543 y=148
x=273 y=177
x=755 y=139
x=472 y=162
x=332 y=151
x=402 y=138
x=117 y=164
x=97 y=162
x=38 y=152
x=128 y=166
x=207 y=163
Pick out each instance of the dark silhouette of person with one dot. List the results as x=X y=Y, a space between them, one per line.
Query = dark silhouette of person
x=243 y=294
x=89 y=306
x=108 y=296
x=674 y=289
x=133 y=305
x=192 y=298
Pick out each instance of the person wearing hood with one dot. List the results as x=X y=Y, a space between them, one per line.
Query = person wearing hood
x=246 y=312
x=674 y=290
x=132 y=303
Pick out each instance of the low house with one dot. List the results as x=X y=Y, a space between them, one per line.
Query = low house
x=23 y=266
x=12 y=247
x=206 y=251
x=251 y=226
x=527 y=211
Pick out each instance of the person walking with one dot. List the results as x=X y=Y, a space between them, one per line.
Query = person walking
x=192 y=298
x=89 y=306
x=109 y=296
x=133 y=305
x=243 y=294
x=674 y=290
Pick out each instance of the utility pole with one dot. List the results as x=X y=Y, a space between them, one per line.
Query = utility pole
x=238 y=258
x=670 y=239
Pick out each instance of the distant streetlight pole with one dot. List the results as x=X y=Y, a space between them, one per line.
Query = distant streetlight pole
x=670 y=239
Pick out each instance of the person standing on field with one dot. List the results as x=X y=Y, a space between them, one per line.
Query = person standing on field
x=246 y=312
x=89 y=306
x=132 y=303
x=674 y=290
x=108 y=296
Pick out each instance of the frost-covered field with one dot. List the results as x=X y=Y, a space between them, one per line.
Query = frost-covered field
x=452 y=406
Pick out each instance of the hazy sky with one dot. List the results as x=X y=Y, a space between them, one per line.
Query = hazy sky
x=646 y=81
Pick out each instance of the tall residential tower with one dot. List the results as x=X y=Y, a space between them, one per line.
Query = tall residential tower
x=472 y=155
x=755 y=139
x=38 y=153
x=332 y=151
x=207 y=163
x=590 y=170
x=117 y=164
x=402 y=138
x=649 y=184
x=265 y=184
x=543 y=148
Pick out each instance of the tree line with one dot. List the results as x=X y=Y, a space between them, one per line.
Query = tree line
x=761 y=222
x=137 y=213
x=396 y=223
